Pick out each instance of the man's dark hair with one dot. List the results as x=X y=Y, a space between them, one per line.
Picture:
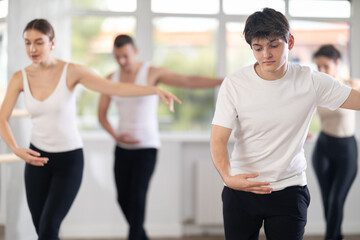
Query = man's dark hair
x=328 y=51
x=122 y=39
x=266 y=23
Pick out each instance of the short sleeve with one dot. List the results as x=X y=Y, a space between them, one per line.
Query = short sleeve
x=225 y=111
x=330 y=93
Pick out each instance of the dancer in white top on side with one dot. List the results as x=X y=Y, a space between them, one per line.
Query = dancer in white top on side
x=138 y=140
x=335 y=154
x=54 y=161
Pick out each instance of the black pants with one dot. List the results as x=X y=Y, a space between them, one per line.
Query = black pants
x=283 y=213
x=335 y=164
x=51 y=190
x=133 y=171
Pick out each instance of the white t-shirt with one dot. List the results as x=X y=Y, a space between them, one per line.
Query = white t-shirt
x=272 y=120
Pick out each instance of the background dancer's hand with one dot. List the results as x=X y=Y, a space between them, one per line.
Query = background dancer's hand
x=167 y=97
x=30 y=156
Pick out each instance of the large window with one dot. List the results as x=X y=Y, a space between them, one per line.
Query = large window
x=239 y=8
x=309 y=35
x=92 y=41
x=238 y=52
x=186 y=46
x=185 y=6
x=105 y=5
x=204 y=39
x=320 y=8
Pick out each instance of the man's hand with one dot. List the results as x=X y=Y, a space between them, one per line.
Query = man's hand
x=240 y=182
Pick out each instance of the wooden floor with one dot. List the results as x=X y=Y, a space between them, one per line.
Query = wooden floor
x=353 y=237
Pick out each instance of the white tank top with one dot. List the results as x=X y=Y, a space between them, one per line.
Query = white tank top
x=338 y=123
x=54 y=119
x=138 y=115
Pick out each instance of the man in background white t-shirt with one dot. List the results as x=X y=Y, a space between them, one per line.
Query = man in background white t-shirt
x=271 y=104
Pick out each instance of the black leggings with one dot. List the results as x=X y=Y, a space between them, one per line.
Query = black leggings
x=335 y=164
x=133 y=171
x=51 y=190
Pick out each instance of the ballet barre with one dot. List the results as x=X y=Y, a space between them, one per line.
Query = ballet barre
x=19 y=113
x=9 y=157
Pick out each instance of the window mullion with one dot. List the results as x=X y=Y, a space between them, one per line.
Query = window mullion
x=144 y=30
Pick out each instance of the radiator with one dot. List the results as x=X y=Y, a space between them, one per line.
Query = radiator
x=209 y=185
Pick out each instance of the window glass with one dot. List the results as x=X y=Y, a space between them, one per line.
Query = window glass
x=92 y=42
x=186 y=46
x=185 y=6
x=309 y=36
x=238 y=52
x=3 y=8
x=249 y=7
x=320 y=8
x=105 y=5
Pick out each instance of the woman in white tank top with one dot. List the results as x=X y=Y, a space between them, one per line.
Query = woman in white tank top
x=54 y=161
x=335 y=155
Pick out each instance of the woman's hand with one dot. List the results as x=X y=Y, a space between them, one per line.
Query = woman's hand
x=240 y=182
x=30 y=156
x=167 y=97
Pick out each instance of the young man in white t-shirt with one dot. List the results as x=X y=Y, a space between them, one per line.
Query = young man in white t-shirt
x=271 y=103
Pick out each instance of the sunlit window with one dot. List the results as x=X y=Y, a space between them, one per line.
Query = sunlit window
x=92 y=43
x=185 y=6
x=238 y=52
x=309 y=35
x=242 y=8
x=107 y=5
x=320 y=8
x=187 y=46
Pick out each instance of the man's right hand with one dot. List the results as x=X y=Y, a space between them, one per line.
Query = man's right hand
x=240 y=182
